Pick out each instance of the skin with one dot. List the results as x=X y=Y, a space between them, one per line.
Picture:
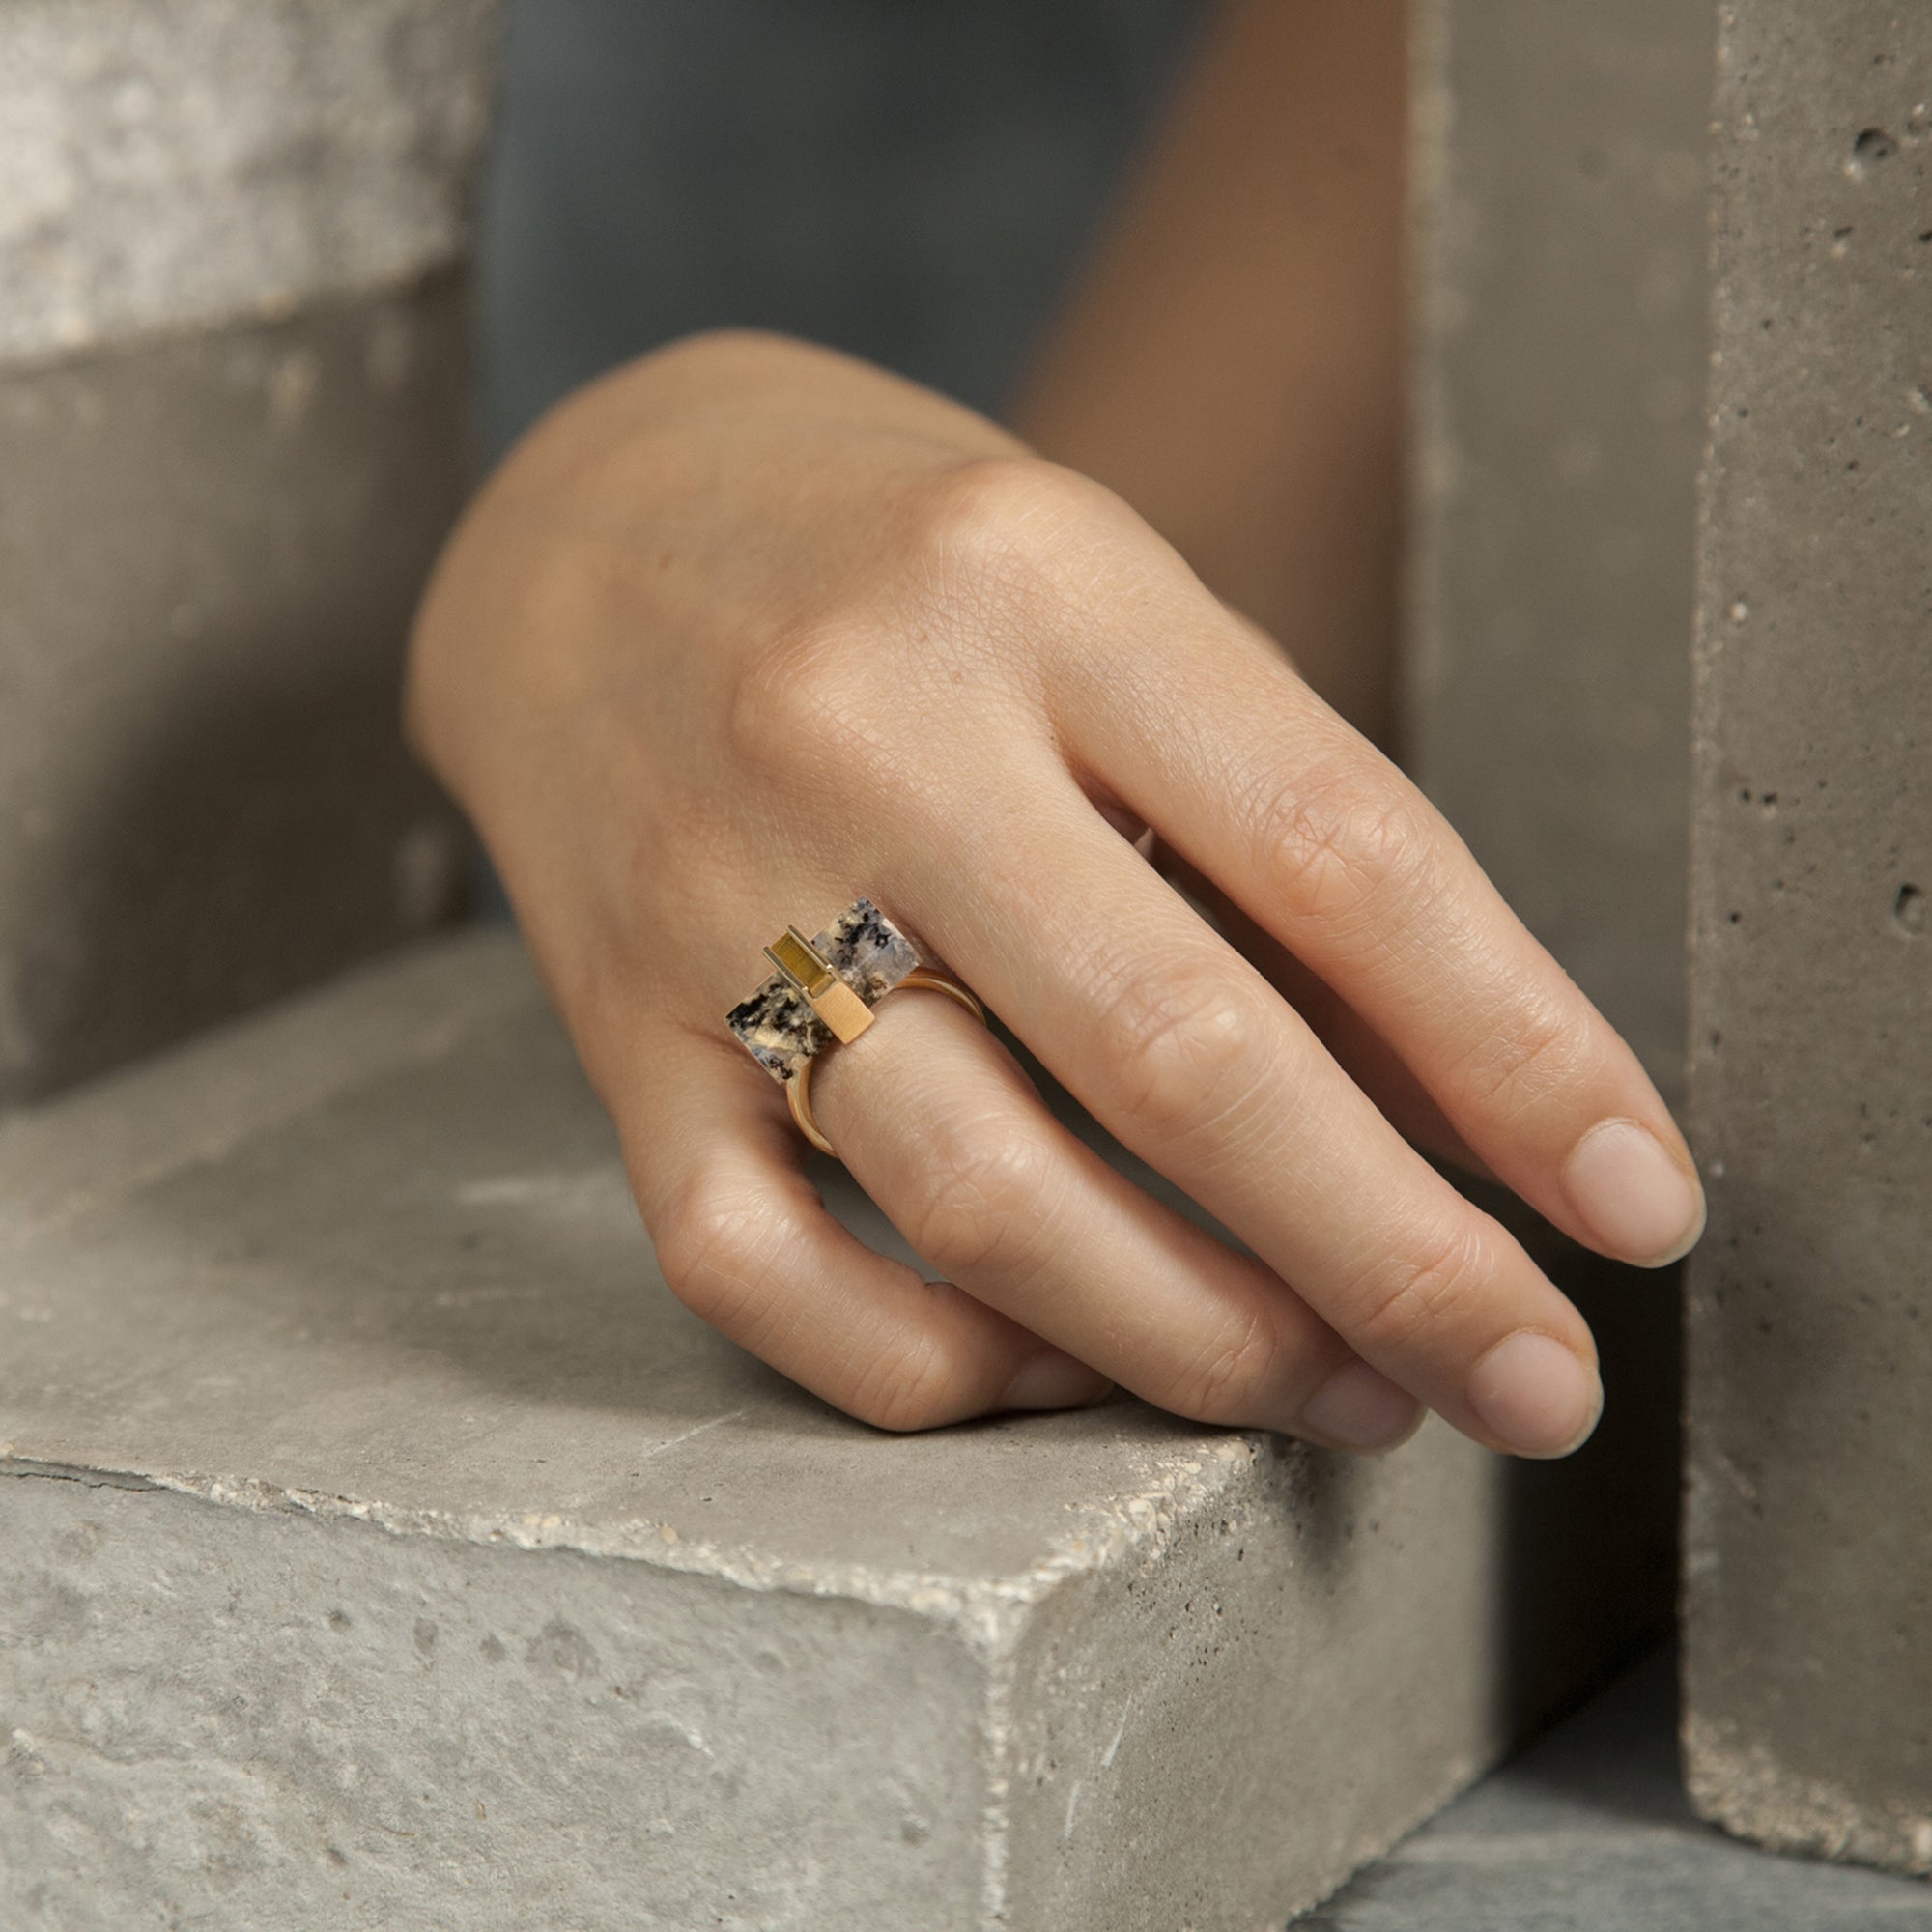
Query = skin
x=1229 y=358
x=747 y=629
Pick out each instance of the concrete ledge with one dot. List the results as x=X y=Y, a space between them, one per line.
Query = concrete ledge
x=174 y=163
x=385 y=1543
x=1590 y=1827
x=210 y=550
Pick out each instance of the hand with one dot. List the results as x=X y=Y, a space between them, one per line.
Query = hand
x=747 y=630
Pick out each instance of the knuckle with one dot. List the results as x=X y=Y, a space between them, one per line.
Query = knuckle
x=1396 y=1304
x=1005 y=550
x=999 y=514
x=713 y=1244
x=716 y=1251
x=807 y=694
x=1183 y=1047
x=1230 y=1378
x=971 y=577
x=980 y=1196
x=1343 y=849
x=1512 y=1069
x=910 y=1386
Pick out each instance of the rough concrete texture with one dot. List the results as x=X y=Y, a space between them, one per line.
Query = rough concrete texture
x=1560 y=189
x=210 y=546
x=1590 y=1832
x=1809 y=1595
x=384 y=1545
x=168 y=164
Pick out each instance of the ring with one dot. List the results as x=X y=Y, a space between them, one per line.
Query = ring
x=798 y=1089
x=823 y=992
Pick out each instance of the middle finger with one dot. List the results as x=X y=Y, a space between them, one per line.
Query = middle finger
x=943 y=1129
x=1184 y=1052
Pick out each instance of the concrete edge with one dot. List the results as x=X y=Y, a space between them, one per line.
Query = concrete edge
x=989 y=1614
x=402 y=283
x=1743 y=1788
x=97 y=1143
x=987 y=1619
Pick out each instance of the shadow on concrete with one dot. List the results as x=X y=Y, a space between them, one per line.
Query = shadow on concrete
x=1592 y=1554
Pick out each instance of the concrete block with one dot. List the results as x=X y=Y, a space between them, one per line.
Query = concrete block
x=384 y=1544
x=1559 y=367
x=1808 y=1659
x=234 y=378
x=211 y=546
x=179 y=163
x=1590 y=1827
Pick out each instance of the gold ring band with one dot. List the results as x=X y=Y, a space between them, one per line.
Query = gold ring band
x=798 y=1089
x=822 y=995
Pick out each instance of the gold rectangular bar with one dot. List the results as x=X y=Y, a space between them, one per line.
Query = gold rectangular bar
x=828 y=995
x=793 y=956
x=841 y=1010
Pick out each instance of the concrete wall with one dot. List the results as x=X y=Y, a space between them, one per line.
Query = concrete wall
x=1558 y=361
x=234 y=365
x=1559 y=301
x=1808 y=1643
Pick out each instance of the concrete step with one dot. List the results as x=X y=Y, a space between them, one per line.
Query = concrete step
x=1592 y=1828
x=384 y=1544
x=234 y=400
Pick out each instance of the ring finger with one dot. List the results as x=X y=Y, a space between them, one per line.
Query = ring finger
x=1185 y=1054
x=940 y=1125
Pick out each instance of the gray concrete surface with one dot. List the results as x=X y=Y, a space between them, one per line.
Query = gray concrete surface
x=1559 y=373
x=1809 y=1593
x=384 y=1544
x=1590 y=1831
x=212 y=536
x=1559 y=210
x=182 y=163
x=211 y=546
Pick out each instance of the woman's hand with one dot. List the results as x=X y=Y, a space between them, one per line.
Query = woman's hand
x=749 y=630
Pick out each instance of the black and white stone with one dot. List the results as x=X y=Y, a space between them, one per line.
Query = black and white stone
x=777 y=1024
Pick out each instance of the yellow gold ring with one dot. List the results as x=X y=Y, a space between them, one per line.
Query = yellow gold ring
x=798 y=1089
x=822 y=994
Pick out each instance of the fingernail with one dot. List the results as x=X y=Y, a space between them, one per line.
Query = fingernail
x=1531 y=1393
x=1629 y=1193
x=1360 y=1408
x=1053 y=1379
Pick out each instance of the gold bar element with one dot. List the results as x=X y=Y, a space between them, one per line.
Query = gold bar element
x=841 y=1010
x=828 y=995
x=793 y=956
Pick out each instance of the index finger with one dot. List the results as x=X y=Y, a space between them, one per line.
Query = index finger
x=1210 y=738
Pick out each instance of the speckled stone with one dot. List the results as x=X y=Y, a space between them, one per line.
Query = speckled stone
x=778 y=1028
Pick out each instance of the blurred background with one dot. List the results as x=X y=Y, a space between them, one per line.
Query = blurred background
x=909 y=184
